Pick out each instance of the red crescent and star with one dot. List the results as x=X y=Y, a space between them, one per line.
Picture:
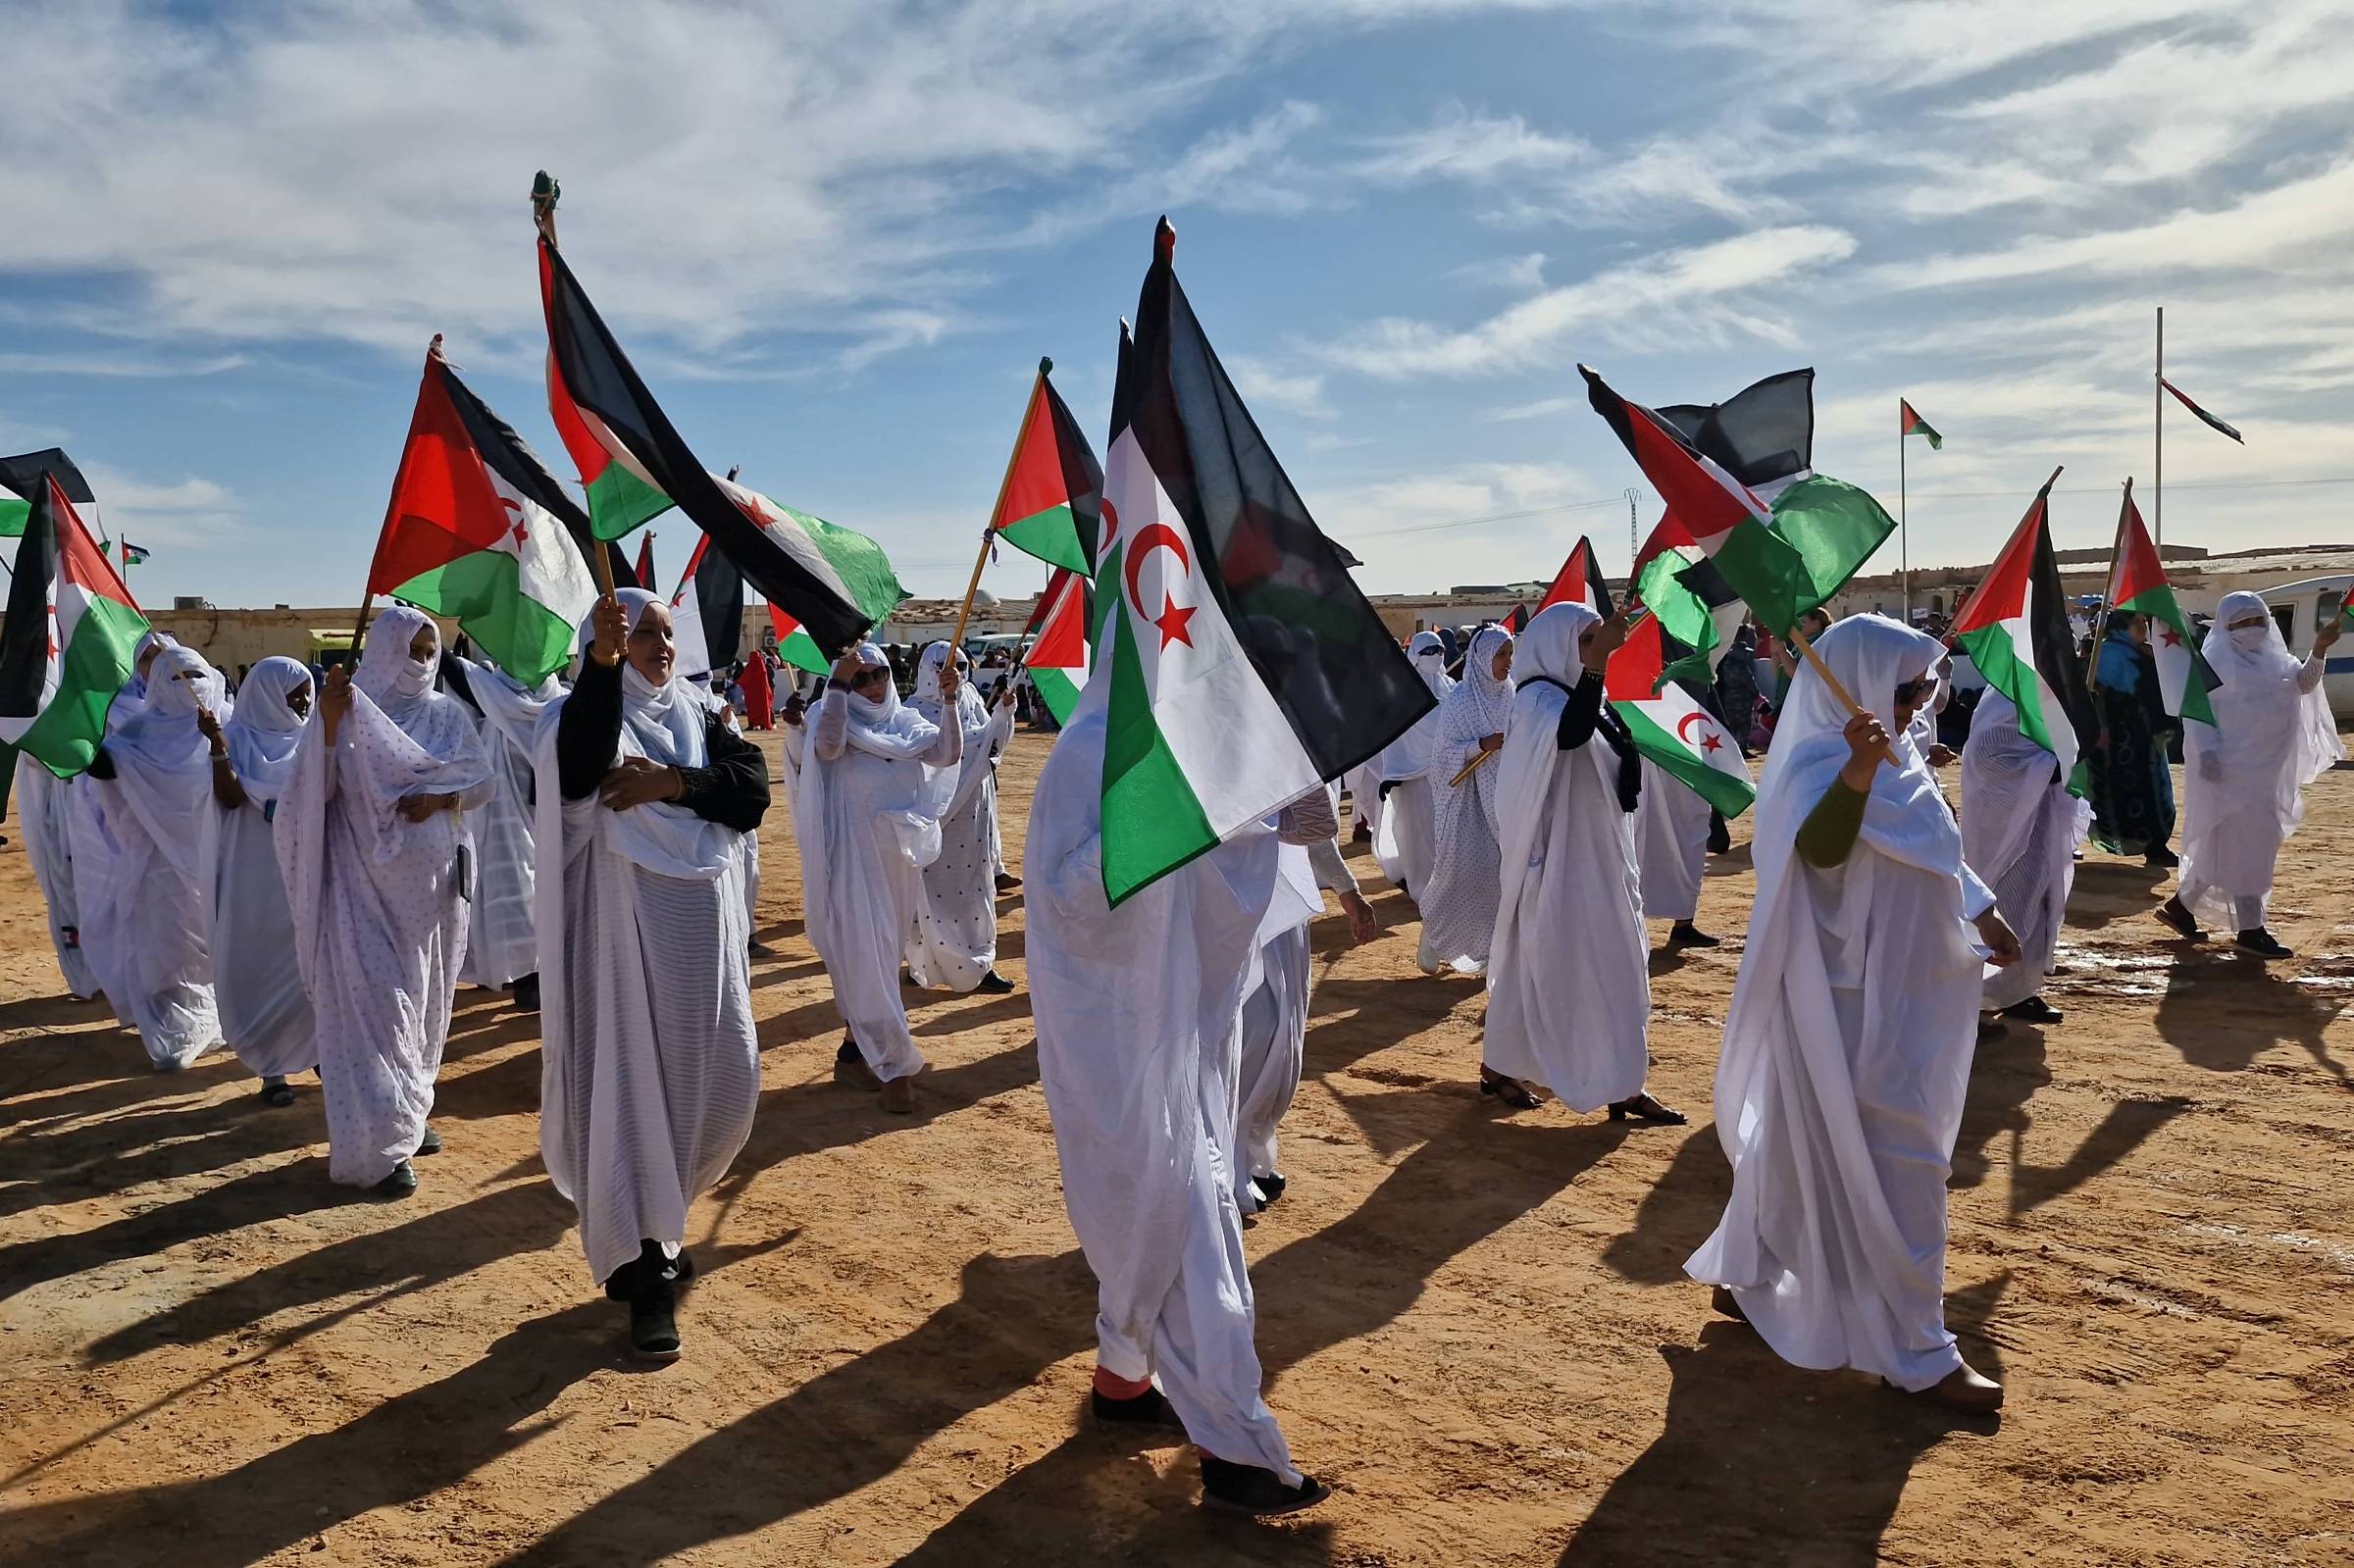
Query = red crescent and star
x=1173 y=616
x=1708 y=742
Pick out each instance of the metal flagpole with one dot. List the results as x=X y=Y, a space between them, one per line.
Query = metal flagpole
x=2158 y=479
x=1903 y=521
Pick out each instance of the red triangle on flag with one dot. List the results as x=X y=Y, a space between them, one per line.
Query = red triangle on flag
x=2003 y=595
x=80 y=560
x=1634 y=671
x=1579 y=581
x=2137 y=569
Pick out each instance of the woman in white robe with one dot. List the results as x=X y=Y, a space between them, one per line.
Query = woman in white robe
x=1274 y=1027
x=1137 y=1011
x=502 y=947
x=150 y=778
x=1672 y=844
x=265 y=1014
x=1402 y=839
x=93 y=849
x=952 y=944
x=650 y=1070
x=1459 y=904
x=874 y=778
x=44 y=809
x=1569 y=990
x=1848 y=1043
x=2245 y=775
x=2019 y=833
x=372 y=841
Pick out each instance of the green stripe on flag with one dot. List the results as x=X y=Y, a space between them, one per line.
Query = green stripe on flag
x=13 y=514
x=1152 y=821
x=1997 y=656
x=1682 y=614
x=1052 y=536
x=96 y=663
x=1834 y=527
x=1057 y=692
x=483 y=594
x=1726 y=794
x=800 y=649
x=620 y=502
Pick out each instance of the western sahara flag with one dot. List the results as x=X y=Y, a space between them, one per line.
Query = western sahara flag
x=2137 y=582
x=1058 y=660
x=706 y=613
x=2016 y=629
x=1241 y=666
x=1049 y=505
x=1669 y=724
x=614 y=421
x=2205 y=417
x=1579 y=581
x=73 y=629
x=23 y=477
x=478 y=530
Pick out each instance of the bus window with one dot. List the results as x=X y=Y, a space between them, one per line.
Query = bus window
x=2287 y=615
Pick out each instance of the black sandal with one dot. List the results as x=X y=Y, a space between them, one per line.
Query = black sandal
x=1643 y=1108
x=277 y=1091
x=1510 y=1090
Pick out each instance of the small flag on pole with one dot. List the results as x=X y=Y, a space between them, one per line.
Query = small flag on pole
x=1909 y=423
x=1579 y=581
x=133 y=555
x=2209 y=420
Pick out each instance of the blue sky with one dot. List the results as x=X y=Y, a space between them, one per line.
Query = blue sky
x=837 y=237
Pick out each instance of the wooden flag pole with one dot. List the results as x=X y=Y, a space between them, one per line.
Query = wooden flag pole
x=988 y=529
x=544 y=191
x=359 y=629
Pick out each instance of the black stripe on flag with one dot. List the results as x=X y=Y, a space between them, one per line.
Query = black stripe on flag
x=24 y=473
x=1331 y=666
x=513 y=460
x=2054 y=638
x=601 y=380
x=715 y=596
x=24 y=643
x=1760 y=434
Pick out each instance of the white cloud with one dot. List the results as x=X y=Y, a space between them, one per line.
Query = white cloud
x=1702 y=293
x=187 y=511
x=1465 y=146
x=1264 y=386
x=1516 y=274
x=1543 y=408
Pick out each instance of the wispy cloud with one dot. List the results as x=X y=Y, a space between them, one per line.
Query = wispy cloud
x=1265 y=386
x=1704 y=286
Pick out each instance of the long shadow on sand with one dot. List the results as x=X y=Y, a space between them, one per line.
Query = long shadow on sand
x=1718 y=1485
x=2224 y=1010
x=398 y=1452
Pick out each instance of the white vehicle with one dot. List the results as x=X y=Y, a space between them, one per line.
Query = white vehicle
x=2299 y=608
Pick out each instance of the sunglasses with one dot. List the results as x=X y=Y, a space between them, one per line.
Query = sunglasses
x=870 y=677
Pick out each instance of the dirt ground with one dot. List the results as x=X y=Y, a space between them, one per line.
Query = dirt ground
x=1474 y=1324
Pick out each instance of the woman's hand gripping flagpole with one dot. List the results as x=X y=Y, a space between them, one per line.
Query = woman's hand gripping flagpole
x=1609 y=634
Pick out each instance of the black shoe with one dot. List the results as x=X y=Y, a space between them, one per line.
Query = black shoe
x=1150 y=1408
x=1683 y=934
x=400 y=1183
x=993 y=983
x=2161 y=858
x=430 y=1143
x=276 y=1091
x=1272 y=1184
x=1720 y=837
x=1006 y=883
x=654 y=1323
x=846 y=1052
x=1643 y=1108
x=527 y=993
x=2034 y=1010
x=1248 y=1489
x=2263 y=944
x=758 y=949
x=2178 y=918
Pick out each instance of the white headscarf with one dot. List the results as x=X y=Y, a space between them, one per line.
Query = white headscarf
x=1409 y=756
x=885 y=725
x=666 y=722
x=262 y=732
x=1477 y=708
x=2270 y=739
x=394 y=680
x=974 y=719
x=162 y=762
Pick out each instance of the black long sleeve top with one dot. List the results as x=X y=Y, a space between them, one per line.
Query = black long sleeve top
x=1584 y=716
x=732 y=789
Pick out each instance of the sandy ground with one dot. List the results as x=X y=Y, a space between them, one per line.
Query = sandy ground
x=1474 y=1324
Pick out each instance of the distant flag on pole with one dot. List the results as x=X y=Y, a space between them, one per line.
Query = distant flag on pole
x=2014 y=627
x=2209 y=420
x=1517 y=622
x=646 y=562
x=1909 y=423
x=132 y=554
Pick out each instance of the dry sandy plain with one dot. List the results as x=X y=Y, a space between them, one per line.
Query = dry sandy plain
x=1473 y=1323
